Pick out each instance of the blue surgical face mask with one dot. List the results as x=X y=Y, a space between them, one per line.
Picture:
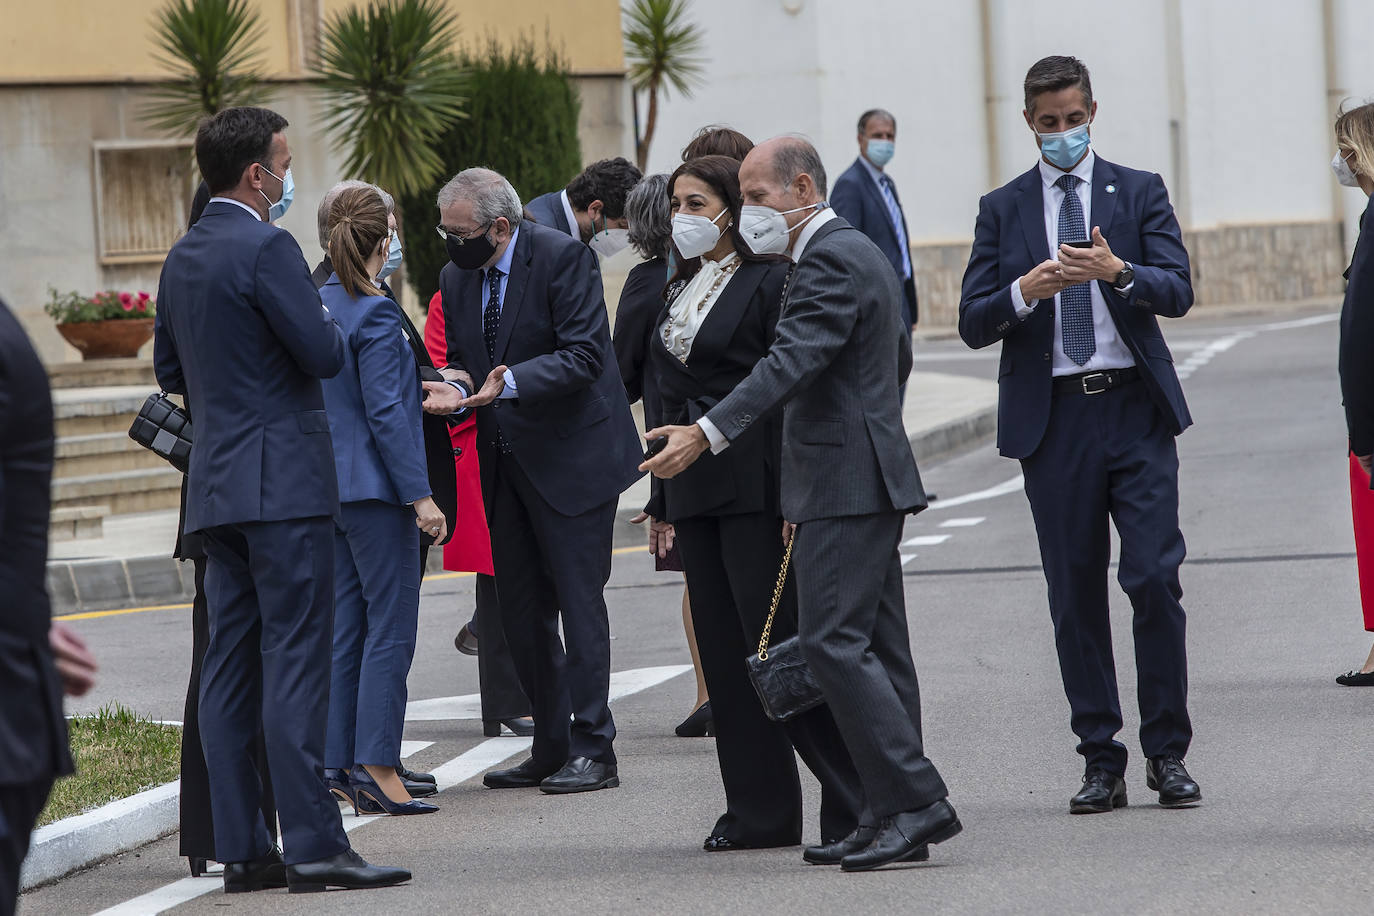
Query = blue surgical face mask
x=1065 y=148
x=880 y=152
x=393 y=257
x=277 y=210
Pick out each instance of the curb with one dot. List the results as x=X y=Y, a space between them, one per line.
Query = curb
x=84 y=839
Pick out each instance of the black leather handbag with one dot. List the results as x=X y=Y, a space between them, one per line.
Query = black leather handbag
x=781 y=677
x=163 y=427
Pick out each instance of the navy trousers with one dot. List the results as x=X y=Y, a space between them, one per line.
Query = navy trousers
x=270 y=587
x=1104 y=456
x=549 y=566
x=376 y=612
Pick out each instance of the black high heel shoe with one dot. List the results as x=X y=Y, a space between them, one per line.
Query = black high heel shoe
x=369 y=794
x=341 y=787
x=199 y=866
x=699 y=724
x=522 y=728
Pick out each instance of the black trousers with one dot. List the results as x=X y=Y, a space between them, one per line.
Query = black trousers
x=731 y=564
x=270 y=587
x=502 y=696
x=549 y=566
x=19 y=809
x=1110 y=456
x=197 y=821
x=854 y=636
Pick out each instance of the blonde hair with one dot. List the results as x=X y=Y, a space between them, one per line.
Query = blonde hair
x=357 y=224
x=1355 y=133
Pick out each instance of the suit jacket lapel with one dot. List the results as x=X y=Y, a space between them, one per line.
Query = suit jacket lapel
x=1104 y=201
x=515 y=293
x=1030 y=203
x=875 y=196
x=719 y=327
x=470 y=312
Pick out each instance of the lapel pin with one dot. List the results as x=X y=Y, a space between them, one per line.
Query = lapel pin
x=1111 y=189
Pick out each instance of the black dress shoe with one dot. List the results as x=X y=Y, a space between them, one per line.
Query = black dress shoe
x=699 y=724
x=412 y=776
x=904 y=837
x=716 y=843
x=581 y=775
x=372 y=800
x=1101 y=792
x=1176 y=788
x=527 y=775
x=465 y=641
x=832 y=853
x=419 y=789
x=521 y=728
x=347 y=870
x=264 y=872
x=1354 y=678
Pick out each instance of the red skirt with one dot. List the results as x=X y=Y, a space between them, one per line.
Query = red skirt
x=1362 y=507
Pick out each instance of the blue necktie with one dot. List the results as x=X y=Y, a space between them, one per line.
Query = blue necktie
x=491 y=324
x=894 y=213
x=1075 y=302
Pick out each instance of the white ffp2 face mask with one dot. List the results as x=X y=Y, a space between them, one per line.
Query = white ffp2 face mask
x=765 y=230
x=695 y=235
x=1344 y=174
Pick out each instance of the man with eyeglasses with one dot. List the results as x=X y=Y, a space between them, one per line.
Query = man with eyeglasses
x=525 y=317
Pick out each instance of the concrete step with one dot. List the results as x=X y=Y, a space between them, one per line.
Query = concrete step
x=102 y=453
x=90 y=411
x=93 y=373
x=77 y=523
x=142 y=490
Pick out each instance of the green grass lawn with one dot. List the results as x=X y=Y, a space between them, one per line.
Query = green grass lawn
x=118 y=753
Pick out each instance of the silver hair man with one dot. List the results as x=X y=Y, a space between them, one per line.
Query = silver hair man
x=326 y=202
x=491 y=194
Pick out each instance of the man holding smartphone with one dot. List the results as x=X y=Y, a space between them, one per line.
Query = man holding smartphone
x=1071 y=264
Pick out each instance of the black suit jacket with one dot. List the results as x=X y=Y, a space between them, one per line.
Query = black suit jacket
x=570 y=429
x=641 y=301
x=733 y=338
x=33 y=733
x=1357 y=342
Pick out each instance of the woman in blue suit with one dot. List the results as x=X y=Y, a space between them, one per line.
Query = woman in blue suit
x=374 y=420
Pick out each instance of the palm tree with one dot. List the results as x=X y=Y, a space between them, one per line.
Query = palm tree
x=210 y=48
x=391 y=86
x=662 y=51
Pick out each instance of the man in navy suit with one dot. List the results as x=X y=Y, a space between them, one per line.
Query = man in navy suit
x=866 y=196
x=242 y=335
x=524 y=314
x=1071 y=264
x=591 y=208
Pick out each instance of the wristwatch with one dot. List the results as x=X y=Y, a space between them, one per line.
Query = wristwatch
x=1126 y=277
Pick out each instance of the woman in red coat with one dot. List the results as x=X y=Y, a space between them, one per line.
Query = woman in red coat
x=469 y=550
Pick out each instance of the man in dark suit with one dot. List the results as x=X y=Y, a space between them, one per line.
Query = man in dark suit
x=591 y=208
x=523 y=311
x=1090 y=404
x=241 y=334
x=842 y=350
x=38 y=658
x=866 y=197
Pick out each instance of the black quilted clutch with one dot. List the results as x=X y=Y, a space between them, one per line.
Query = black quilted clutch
x=163 y=427
x=780 y=675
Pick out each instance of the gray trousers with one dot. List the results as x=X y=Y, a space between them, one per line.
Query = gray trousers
x=852 y=623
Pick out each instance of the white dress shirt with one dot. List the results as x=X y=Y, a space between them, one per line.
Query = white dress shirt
x=573 y=229
x=238 y=203
x=1111 y=350
x=713 y=435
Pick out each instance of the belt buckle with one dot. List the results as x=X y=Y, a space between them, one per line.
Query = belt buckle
x=1104 y=378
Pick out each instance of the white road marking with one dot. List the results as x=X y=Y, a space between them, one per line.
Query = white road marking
x=469 y=706
x=460 y=769
x=963 y=522
x=907 y=558
x=1002 y=489
x=926 y=540
x=409 y=748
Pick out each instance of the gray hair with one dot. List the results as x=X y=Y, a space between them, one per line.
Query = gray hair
x=795 y=156
x=491 y=194
x=650 y=216
x=882 y=114
x=327 y=203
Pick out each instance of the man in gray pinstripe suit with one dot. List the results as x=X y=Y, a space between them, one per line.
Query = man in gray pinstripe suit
x=848 y=480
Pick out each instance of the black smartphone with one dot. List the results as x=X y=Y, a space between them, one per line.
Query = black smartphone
x=1079 y=243
x=655 y=446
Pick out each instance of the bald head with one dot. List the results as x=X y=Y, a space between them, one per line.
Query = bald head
x=783 y=173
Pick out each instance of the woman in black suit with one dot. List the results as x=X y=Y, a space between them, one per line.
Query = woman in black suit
x=724 y=512
x=1354 y=167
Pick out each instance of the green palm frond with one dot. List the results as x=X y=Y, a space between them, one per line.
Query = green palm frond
x=210 y=46
x=662 y=49
x=391 y=87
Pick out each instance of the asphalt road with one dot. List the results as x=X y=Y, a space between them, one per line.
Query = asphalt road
x=1282 y=753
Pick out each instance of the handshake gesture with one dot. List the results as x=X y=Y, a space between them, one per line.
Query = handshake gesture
x=443 y=399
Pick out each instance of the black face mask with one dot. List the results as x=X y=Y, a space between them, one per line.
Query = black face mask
x=473 y=253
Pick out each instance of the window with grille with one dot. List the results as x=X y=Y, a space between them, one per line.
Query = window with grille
x=143 y=193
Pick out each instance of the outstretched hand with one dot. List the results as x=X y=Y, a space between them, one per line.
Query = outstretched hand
x=685 y=445
x=491 y=389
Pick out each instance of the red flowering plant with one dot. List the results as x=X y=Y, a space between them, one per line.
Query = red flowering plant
x=73 y=307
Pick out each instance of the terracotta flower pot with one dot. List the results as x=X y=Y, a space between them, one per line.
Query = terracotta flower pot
x=112 y=339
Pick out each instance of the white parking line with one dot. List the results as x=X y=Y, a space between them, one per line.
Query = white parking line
x=926 y=540
x=963 y=522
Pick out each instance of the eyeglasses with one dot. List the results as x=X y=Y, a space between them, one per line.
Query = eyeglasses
x=459 y=240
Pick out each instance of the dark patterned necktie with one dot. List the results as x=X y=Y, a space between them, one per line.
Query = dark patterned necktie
x=1075 y=302
x=491 y=324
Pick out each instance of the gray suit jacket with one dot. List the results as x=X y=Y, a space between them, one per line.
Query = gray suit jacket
x=835 y=369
